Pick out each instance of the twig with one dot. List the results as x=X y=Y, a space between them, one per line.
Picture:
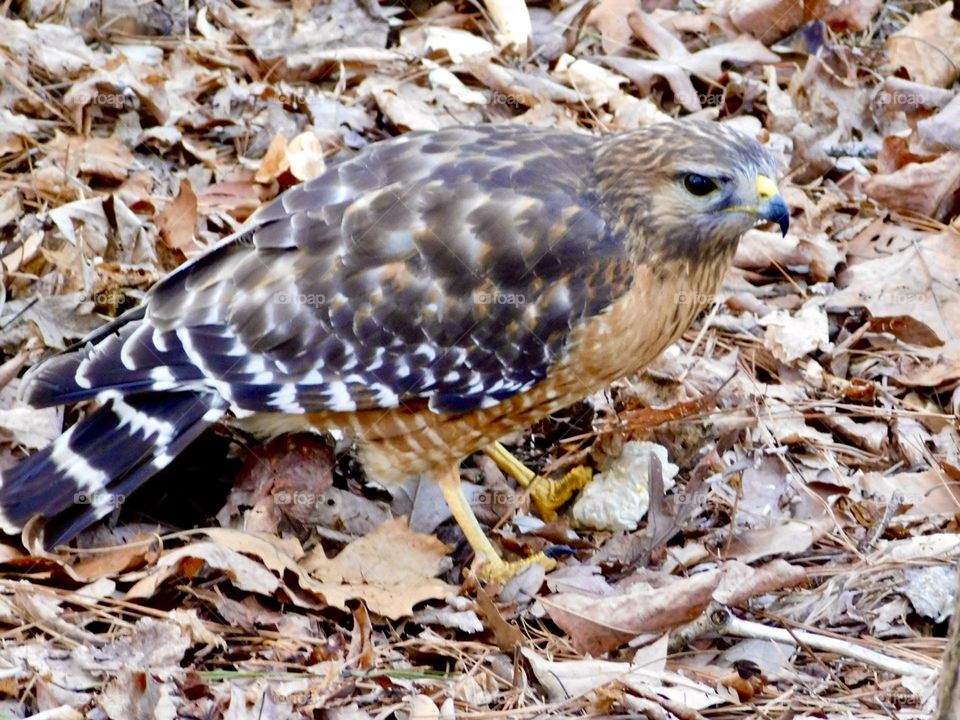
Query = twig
x=20 y=314
x=725 y=622
x=896 y=502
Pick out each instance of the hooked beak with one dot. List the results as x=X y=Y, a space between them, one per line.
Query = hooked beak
x=771 y=206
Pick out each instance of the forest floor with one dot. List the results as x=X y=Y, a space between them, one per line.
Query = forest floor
x=797 y=557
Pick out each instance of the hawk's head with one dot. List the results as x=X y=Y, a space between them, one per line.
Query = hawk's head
x=693 y=187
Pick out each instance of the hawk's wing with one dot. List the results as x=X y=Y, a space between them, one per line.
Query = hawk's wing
x=448 y=267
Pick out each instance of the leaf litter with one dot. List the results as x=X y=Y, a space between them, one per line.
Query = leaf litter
x=790 y=552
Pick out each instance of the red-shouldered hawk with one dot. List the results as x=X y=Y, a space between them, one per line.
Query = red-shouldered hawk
x=428 y=295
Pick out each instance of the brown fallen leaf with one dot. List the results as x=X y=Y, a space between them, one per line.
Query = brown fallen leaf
x=928 y=47
x=178 y=221
x=600 y=624
x=928 y=188
x=506 y=635
x=608 y=16
x=244 y=573
x=274 y=162
x=105 y=157
x=939 y=132
x=237 y=198
x=926 y=493
x=767 y=20
x=362 y=652
x=676 y=64
x=391 y=569
x=97 y=563
x=913 y=287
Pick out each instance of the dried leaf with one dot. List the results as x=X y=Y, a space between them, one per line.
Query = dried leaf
x=391 y=570
x=244 y=573
x=178 y=221
x=570 y=679
x=598 y=624
x=928 y=47
x=275 y=161
x=927 y=188
x=791 y=336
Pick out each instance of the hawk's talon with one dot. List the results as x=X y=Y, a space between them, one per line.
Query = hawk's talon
x=548 y=495
x=500 y=571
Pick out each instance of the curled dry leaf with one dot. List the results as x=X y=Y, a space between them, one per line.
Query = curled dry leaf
x=609 y=17
x=391 y=569
x=458 y=44
x=274 y=162
x=512 y=20
x=917 y=283
x=178 y=220
x=940 y=132
x=109 y=562
x=791 y=336
x=564 y=680
x=927 y=188
x=244 y=573
x=928 y=47
x=599 y=624
x=677 y=64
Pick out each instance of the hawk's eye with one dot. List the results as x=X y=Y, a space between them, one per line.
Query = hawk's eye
x=699 y=185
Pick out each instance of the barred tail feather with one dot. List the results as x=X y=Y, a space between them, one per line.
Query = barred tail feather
x=79 y=478
x=123 y=355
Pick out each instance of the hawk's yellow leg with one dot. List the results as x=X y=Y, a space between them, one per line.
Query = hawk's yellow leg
x=496 y=568
x=548 y=495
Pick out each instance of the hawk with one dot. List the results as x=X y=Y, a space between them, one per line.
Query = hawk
x=426 y=295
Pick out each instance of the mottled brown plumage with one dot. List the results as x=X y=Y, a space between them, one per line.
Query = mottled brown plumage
x=429 y=294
